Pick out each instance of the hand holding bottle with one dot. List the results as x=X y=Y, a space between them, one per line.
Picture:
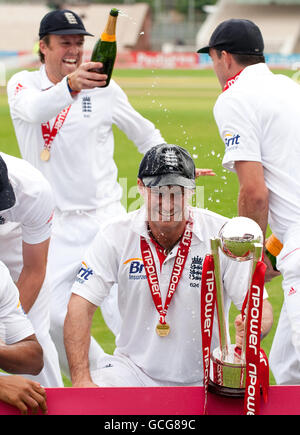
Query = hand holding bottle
x=84 y=78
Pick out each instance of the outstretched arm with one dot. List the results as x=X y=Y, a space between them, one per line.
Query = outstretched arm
x=77 y=336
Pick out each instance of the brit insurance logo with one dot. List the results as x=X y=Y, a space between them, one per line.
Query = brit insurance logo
x=84 y=273
x=195 y=274
x=231 y=141
x=136 y=268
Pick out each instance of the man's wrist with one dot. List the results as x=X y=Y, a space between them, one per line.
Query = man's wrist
x=70 y=86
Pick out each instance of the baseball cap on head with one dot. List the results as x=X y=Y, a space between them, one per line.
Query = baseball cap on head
x=236 y=36
x=165 y=165
x=7 y=195
x=62 y=22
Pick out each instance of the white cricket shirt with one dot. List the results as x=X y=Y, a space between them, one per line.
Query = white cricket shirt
x=115 y=257
x=34 y=205
x=258 y=120
x=81 y=170
x=15 y=325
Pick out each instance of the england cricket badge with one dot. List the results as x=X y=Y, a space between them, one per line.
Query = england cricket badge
x=45 y=155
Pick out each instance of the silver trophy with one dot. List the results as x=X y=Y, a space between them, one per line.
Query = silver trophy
x=241 y=239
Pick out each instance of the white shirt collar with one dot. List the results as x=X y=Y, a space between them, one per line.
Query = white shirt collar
x=139 y=225
x=46 y=82
x=253 y=70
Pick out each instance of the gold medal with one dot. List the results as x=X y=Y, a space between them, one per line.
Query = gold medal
x=45 y=155
x=163 y=329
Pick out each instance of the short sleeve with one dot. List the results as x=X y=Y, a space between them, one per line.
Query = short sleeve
x=98 y=271
x=239 y=129
x=37 y=222
x=14 y=321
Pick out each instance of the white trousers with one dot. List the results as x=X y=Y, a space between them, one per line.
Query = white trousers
x=11 y=255
x=72 y=234
x=120 y=371
x=285 y=352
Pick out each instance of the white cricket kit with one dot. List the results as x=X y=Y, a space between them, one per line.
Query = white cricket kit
x=30 y=220
x=258 y=119
x=142 y=358
x=14 y=324
x=81 y=171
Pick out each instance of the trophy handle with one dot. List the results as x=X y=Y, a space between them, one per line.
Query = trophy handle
x=257 y=256
x=215 y=243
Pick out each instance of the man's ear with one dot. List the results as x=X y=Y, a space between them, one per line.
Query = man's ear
x=141 y=187
x=42 y=45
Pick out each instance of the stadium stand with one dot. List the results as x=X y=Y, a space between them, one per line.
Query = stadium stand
x=19 y=24
x=278 y=20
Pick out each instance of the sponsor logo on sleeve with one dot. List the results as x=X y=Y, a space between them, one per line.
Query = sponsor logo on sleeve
x=84 y=273
x=18 y=88
x=231 y=141
x=49 y=221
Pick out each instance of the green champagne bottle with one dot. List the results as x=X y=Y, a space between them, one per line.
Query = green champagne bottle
x=105 y=50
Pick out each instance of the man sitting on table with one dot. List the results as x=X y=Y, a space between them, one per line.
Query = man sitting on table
x=160 y=337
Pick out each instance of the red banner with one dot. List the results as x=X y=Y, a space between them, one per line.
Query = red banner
x=186 y=401
x=154 y=60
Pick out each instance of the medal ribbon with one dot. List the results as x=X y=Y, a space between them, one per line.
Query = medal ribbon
x=48 y=135
x=231 y=81
x=208 y=300
x=257 y=367
x=178 y=267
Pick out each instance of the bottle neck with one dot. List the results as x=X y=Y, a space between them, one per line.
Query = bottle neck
x=109 y=33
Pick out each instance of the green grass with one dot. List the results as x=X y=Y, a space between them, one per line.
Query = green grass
x=180 y=103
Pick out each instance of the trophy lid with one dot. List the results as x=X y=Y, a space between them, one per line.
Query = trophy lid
x=239 y=236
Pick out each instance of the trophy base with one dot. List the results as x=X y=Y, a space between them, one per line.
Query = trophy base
x=220 y=390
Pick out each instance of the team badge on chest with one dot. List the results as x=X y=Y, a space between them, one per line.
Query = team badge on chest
x=86 y=106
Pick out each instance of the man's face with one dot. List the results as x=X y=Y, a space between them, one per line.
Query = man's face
x=62 y=56
x=167 y=204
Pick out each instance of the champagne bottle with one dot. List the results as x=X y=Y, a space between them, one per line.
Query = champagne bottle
x=273 y=247
x=105 y=50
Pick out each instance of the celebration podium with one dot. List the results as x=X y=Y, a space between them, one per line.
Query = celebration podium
x=166 y=401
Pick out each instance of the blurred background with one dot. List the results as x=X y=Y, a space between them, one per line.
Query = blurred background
x=155 y=33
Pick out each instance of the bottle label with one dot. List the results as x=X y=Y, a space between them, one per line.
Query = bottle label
x=108 y=38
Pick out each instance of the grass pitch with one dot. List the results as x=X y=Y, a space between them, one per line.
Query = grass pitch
x=179 y=103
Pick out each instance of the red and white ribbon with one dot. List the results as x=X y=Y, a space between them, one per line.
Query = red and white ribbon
x=151 y=273
x=49 y=135
x=208 y=301
x=257 y=368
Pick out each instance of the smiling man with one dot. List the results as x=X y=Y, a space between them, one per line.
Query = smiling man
x=63 y=121
x=155 y=254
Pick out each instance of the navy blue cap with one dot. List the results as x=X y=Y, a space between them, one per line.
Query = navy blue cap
x=62 y=22
x=236 y=36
